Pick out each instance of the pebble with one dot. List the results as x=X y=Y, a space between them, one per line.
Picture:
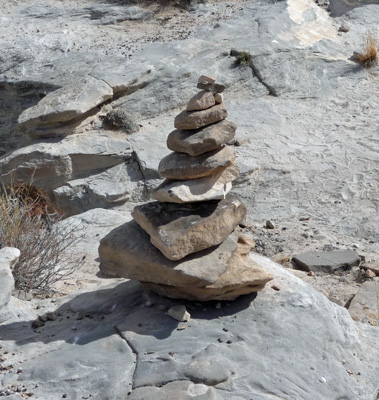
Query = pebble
x=270 y=225
x=369 y=273
x=218 y=306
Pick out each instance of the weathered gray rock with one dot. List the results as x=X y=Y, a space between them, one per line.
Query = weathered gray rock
x=364 y=306
x=52 y=163
x=8 y=259
x=184 y=390
x=115 y=186
x=213 y=187
x=98 y=355
x=178 y=230
x=127 y=252
x=181 y=166
x=203 y=140
x=327 y=261
x=66 y=104
x=243 y=276
x=198 y=119
x=201 y=101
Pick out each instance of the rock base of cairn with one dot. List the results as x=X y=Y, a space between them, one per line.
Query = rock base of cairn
x=185 y=244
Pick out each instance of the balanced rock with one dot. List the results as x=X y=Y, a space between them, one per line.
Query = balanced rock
x=243 y=276
x=201 y=101
x=213 y=187
x=198 y=119
x=207 y=80
x=178 y=230
x=219 y=98
x=214 y=88
x=203 y=140
x=128 y=253
x=181 y=166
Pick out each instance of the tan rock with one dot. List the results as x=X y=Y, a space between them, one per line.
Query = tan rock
x=219 y=98
x=181 y=166
x=128 y=253
x=196 y=142
x=198 y=119
x=207 y=79
x=181 y=229
x=243 y=276
x=201 y=101
x=213 y=187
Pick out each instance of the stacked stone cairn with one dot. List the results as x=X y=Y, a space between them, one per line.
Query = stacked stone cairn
x=185 y=244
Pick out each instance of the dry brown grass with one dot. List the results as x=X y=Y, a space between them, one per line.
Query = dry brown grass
x=29 y=222
x=369 y=57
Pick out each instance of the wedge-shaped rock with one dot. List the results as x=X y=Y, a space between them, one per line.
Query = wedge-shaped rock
x=67 y=103
x=178 y=230
x=201 y=101
x=127 y=252
x=213 y=187
x=243 y=276
x=181 y=166
x=198 y=119
x=203 y=140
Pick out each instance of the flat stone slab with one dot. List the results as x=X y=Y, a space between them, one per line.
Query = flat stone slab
x=365 y=305
x=243 y=276
x=327 y=261
x=181 y=166
x=213 y=187
x=67 y=103
x=198 y=119
x=201 y=101
x=181 y=229
x=203 y=140
x=127 y=252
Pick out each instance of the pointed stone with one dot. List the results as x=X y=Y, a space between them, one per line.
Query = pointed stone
x=181 y=229
x=201 y=101
x=198 y=119
x=181 y=166
x=128 y=253
x=203 y=140
x=213 y=187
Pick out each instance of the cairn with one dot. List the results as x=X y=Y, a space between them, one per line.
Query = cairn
x=185 y=244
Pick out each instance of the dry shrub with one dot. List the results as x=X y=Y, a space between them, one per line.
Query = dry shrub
x=28 y=221
x=369 y=57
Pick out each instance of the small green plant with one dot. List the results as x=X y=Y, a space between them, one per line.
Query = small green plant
x=29 y=222
x=243 y=58
x=369 y=57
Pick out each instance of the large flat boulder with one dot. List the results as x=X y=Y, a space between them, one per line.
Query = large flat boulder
x=243 y=276
x=51 y=163
x=213 y=187
x=327 y=261
x=181 y=229
x=181 y=166
x=198 y=119
x=66 y=104
x=127 y=252
x=203 y=140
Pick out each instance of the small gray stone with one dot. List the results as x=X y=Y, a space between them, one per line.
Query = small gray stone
x=179 y=313
x=364 y=306
x=198 y=119
x=182 y=166
x=327 y=261
x=215 y=88
x=203 y=140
